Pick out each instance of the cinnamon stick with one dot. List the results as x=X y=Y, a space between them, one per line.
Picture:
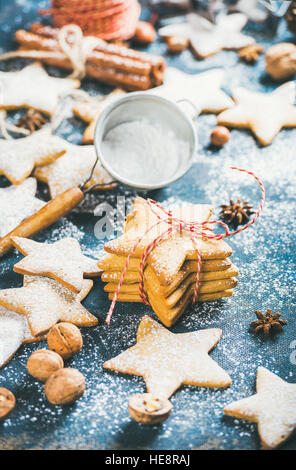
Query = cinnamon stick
x=110 y=63
x=46 y=216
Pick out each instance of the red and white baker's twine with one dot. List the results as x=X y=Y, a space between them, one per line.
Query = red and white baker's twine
x=193 y=229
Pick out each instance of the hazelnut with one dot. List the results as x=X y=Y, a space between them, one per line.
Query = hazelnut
x=148 y=409
x=145 y=33
x=7 y=402
x=65 y=339
x=177 y=43
x=64 y=386
x=42 y=363
x=220 y=136
x=281 y=60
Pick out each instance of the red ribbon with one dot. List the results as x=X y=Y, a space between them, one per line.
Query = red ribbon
x=193 y=229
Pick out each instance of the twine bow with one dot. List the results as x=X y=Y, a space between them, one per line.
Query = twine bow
x=77 y=48
x=193 y=229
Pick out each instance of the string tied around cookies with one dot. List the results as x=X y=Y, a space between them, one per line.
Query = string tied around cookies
x=194 y=230
x=73 y=46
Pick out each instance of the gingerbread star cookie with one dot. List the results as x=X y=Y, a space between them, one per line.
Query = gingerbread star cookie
x=62 y=261
x=161 y=259
x=45 y=302
x=19 y=157
x=202 y=89
x=17 y=203
x=14 y=332
x=166 y=360
x=73 y=169
x=91 y=109
x=273 y=407
x=32 y=87
x=207 y=38
x=264 y=113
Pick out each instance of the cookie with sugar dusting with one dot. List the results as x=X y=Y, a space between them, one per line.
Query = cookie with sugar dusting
x=207 y=38
x=32 y=87
x=111 y=263
x=273 y=408
x=189 y=268
x=201 y=89
x=17 y=203
x=73 y=169
x=14 y=332
x=62 y=261
x=166 y=360
x=19 y=157
x=168 y=256
x=91 y=109
x=264 y=113
x=45 y=302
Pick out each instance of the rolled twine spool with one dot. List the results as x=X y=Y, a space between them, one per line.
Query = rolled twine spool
x=106 y=19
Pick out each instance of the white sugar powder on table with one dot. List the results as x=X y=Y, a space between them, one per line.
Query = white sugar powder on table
x=143 y=152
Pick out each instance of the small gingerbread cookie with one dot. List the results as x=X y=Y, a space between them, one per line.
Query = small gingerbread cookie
x=19 y=157
x=207 y=38
x=62 y=261
x=32 y=87
x=166 y=360
x=73 y=169
x=45 y=302
x=17 y=203
x=264 y=113
x=273 y=407
x=91 y=109
x=14 y=332
x=202 y=89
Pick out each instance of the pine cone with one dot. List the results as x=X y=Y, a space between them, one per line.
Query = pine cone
x=291 y=17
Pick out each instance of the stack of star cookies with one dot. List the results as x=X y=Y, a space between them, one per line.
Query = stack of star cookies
x=170 y=271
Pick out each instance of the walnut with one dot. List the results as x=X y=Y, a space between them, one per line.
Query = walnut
x=281 y=60
x=148 y=409
x=64 y=386
x=177 y=44
x=42 y=363
x=65 y=339
x=7 y=402
x=220 y=136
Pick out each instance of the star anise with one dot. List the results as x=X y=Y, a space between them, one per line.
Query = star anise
x=267 y=323
x=236 y=213
x=32 y=120
x=250 y=54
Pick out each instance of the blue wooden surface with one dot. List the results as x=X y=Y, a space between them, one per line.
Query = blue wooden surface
x=265 y=255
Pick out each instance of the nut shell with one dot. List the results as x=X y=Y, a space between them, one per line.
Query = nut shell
x=42 y=363
x=138 y=409
x=65 y=339
x=7 y=402
x=220 y=136
x=64 y=386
